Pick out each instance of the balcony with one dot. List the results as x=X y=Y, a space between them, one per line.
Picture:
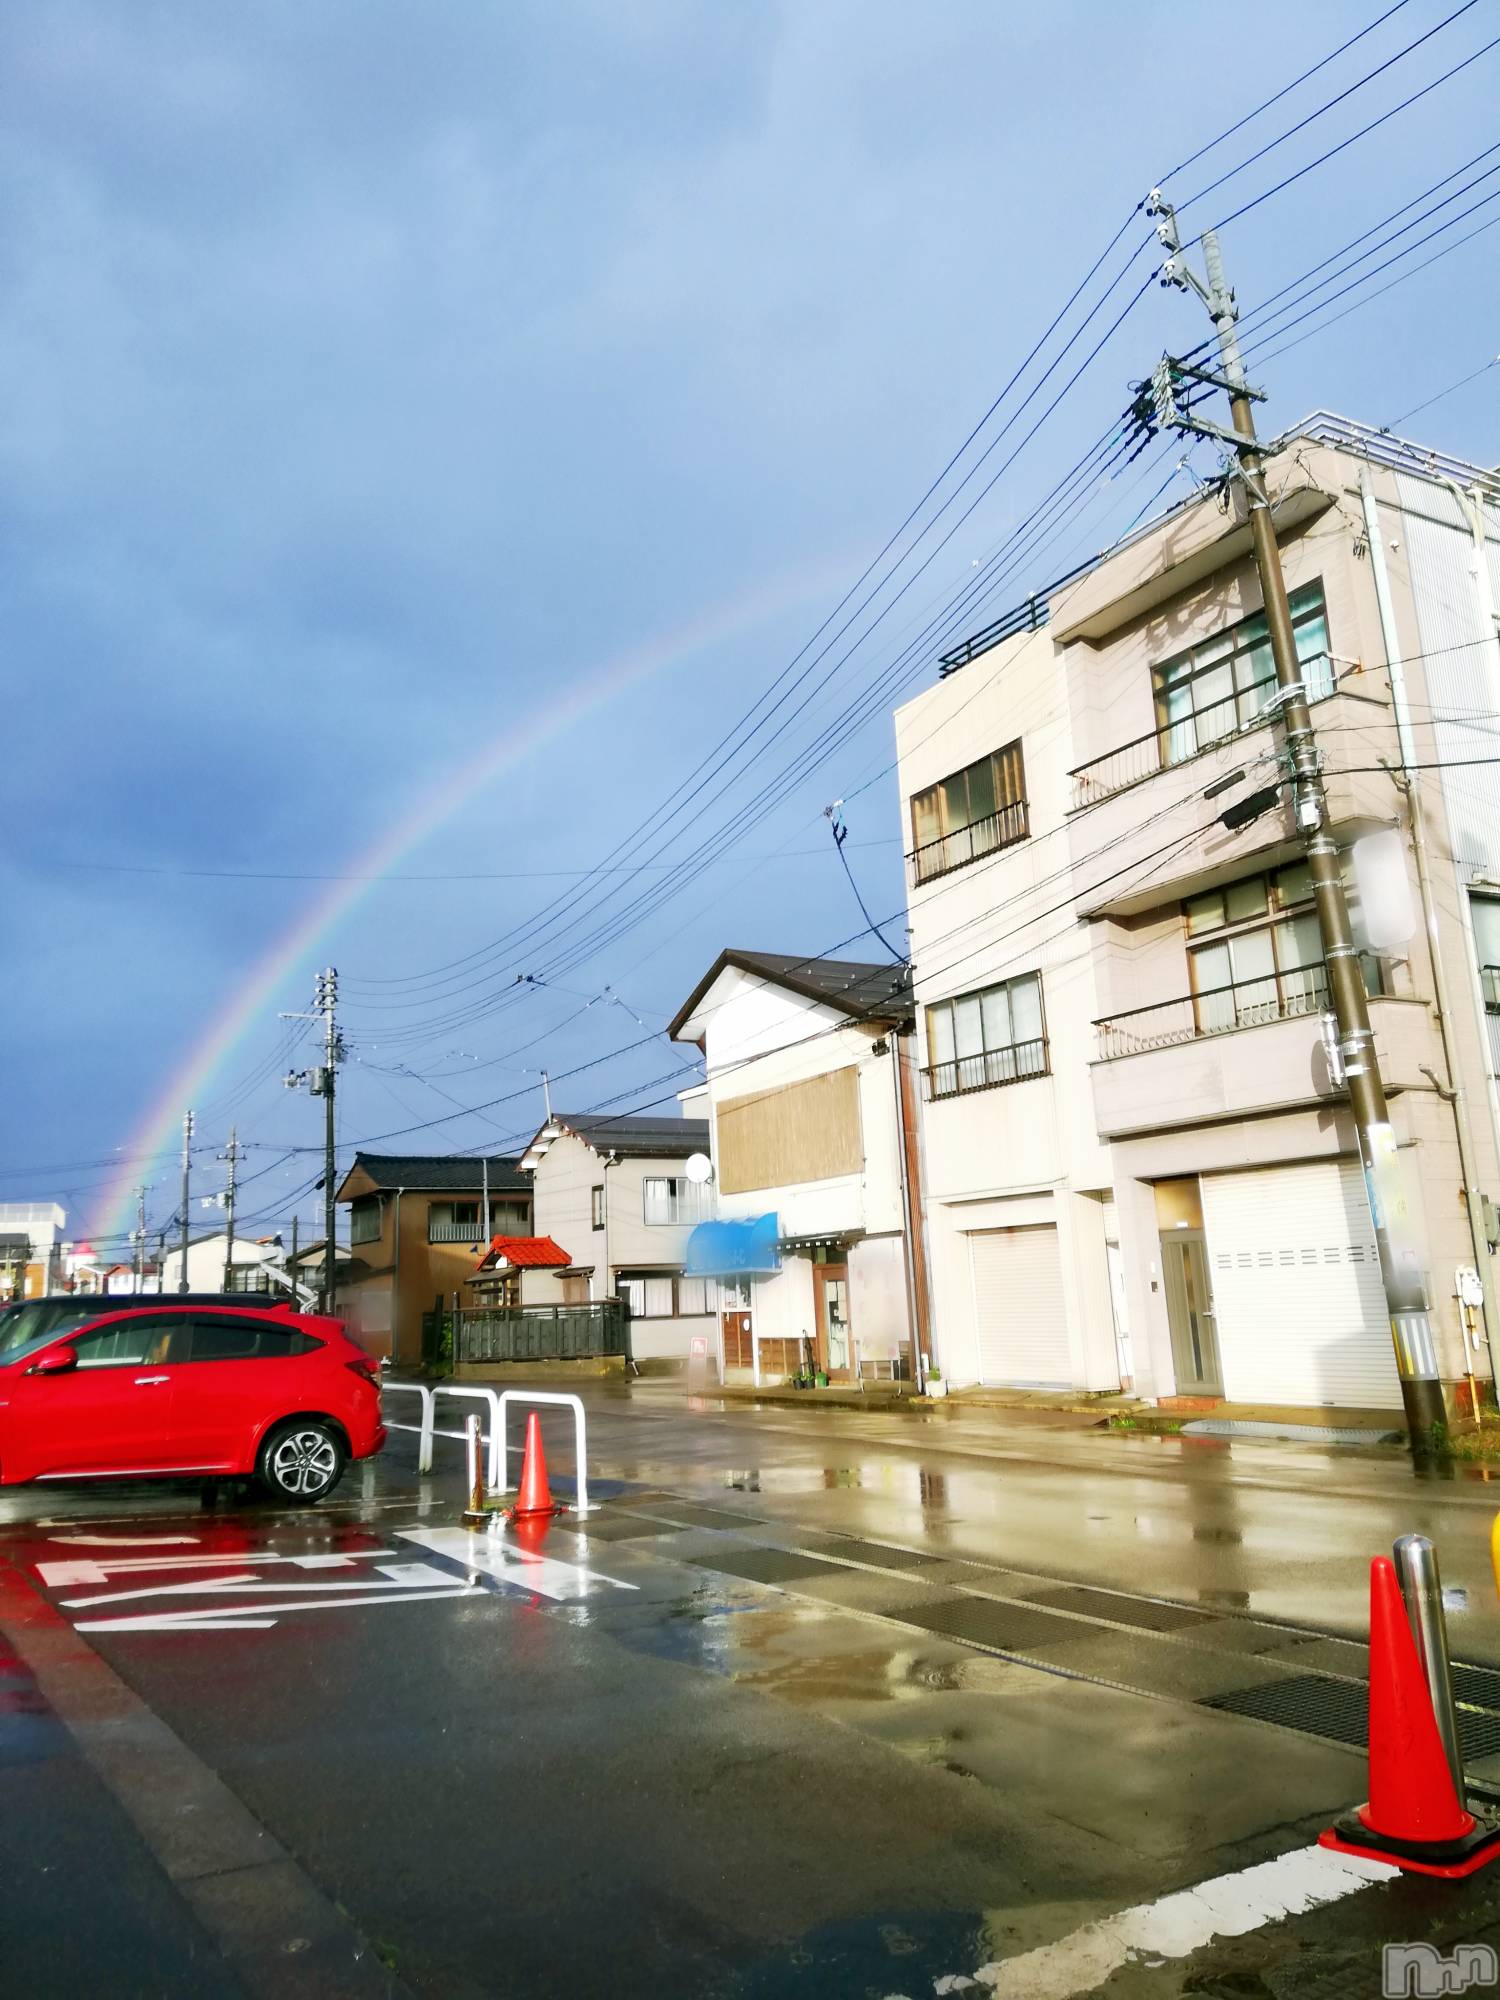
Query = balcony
x=970 y=843
x=987 y=1071
x=1177 y=742
x=455 y=1232
x=1238 y=1052
x=1244 y=1003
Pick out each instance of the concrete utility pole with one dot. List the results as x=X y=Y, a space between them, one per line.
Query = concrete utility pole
x=231 y=1155
x=292 y=1268
x=187 y=1164
x=138 y=1263
x=1400 y=1267
x=320 y=1082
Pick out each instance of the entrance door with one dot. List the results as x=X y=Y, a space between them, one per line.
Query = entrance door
x=835 y=1342
x=1190 y=1313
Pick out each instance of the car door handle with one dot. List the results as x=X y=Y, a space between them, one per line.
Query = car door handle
x=149 y=1381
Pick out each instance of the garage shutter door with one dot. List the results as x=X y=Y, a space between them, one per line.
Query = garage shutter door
x=1297 y=1295
x=1018 y=1306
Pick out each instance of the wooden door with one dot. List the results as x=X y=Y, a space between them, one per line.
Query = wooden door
x=738 y=1347
x=835 y=1337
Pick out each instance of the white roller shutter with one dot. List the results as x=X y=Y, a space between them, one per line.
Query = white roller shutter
x=1018 y=1306
x=1298 y=1301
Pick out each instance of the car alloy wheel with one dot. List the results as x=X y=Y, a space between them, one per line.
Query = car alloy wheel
x=303 y=1462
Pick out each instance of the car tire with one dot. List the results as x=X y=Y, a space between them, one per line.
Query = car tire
x=301 y=1462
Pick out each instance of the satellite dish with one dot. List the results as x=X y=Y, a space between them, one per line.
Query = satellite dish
x=699 y=1168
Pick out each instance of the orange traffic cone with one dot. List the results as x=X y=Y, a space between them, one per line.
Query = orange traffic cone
x=534 y=1502
x=1413 y=1818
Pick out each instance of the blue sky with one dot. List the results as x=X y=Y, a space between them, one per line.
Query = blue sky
x=378 y=372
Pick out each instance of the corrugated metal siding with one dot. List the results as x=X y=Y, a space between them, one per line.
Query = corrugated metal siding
x=1460 y=663
x=1297 y=1292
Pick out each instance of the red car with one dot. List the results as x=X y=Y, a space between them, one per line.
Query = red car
x=188 y=1391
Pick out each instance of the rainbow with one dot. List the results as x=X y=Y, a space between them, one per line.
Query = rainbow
x=291 y=955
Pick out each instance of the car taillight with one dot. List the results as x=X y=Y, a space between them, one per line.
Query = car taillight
x=366 y=1371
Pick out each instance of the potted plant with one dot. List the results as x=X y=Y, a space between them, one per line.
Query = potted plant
x=820 y=1379
x=936 y=1386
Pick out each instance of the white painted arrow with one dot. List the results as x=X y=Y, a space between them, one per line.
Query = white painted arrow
x=88 y=1569
x=218 y=1618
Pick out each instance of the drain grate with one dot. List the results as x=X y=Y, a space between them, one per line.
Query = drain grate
x=688 y=1514
x=1479 y=1686
x=1338 y=1711
x=770 y=1565
x=981 y=1621
x=613 y=1527
x=1116 y=1610
x=877 y=1554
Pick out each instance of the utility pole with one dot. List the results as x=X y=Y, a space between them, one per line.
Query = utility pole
x=292 y=1267
x=187 y=1163
x=231 y=1155
x=139 y=1261
x=484 y=1212
x=547 y=1095
x=1400 y=1267
x=161 y=1260
x=320 y=1082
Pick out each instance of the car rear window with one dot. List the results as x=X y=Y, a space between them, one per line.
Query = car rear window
x=222 y=1337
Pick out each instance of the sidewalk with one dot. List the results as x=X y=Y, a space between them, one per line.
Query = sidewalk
x=1067 y=1409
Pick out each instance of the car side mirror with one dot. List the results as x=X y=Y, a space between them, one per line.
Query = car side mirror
x=56 y=1361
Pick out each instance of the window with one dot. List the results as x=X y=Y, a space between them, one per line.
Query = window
x=674 y=1198
x=596 y=1206
x=249 y=1278
x=1263 y=960
x=982 y=1039
x=364 y=1219
x=647 y=1297
x=1485 y=911
x=692 y=1296
x=223 y=1337
x=130 y=1343
x=453 y=1223
x=971 y=814
x=1222 y=685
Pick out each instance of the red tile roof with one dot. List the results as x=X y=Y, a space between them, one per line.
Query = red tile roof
x=524 y=1253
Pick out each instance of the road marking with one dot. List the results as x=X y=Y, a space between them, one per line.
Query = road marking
x=87 y=1569
x=217 y=1618
x=1176 y=1925
x=126 y=1541
x=400 y=1576
x=478 y=1549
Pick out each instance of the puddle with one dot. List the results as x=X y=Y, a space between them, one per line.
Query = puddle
x=893 y=1952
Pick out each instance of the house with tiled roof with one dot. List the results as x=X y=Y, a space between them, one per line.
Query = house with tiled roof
x=812 y=1101
x=418 y=1225
x=616 y=1193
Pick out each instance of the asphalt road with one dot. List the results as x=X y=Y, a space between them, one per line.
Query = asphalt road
x=823 y=1704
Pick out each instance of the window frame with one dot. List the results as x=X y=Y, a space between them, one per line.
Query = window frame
x=1229 y=648
x=363 y=1207
x=687 y=1201
x=944 y=1075
x=596 y=1205
x=1278 y=912
x=1009 y=812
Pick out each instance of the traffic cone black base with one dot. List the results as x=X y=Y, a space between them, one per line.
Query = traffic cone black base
x=1451 y=1859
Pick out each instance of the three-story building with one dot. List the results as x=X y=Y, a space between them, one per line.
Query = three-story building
x=1140 y=1166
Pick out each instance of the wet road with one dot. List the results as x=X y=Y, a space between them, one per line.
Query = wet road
x=833 y=1703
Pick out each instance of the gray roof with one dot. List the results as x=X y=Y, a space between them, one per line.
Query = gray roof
x=637 y=1137
x=442 y=1173
x=864 y=992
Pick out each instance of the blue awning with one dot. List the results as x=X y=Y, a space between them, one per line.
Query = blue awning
x=746 y=1247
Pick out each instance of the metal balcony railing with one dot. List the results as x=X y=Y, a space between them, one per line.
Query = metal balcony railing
x=471 y=1231
x=989 y=1070
x=1174 y=743
x=970 y=843
x=1244 y=1003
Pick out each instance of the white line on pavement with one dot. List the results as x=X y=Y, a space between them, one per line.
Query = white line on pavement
x=478 y=1549
x=1175 y=1925
x=400 y=1576
x=87 y=1569
x=219 y=1618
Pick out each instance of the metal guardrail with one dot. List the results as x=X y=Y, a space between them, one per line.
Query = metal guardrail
x=1243 y=1003
x=426 y=1430
x=501 y=1483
